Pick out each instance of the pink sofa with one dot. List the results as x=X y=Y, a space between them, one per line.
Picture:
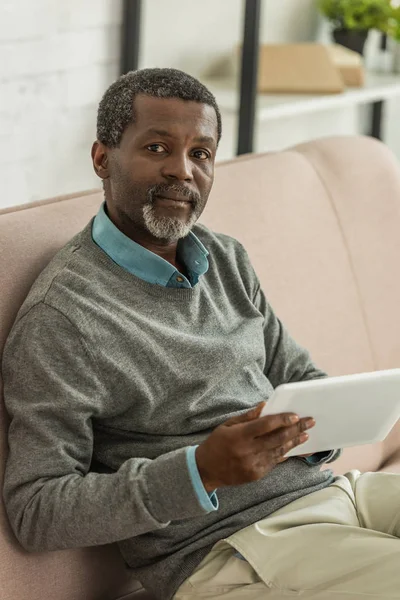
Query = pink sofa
x=321 y=223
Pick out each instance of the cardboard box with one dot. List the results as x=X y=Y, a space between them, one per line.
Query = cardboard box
x=349 y=63
x=298 y=68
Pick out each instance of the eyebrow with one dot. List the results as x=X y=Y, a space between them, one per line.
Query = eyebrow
x=202 y=139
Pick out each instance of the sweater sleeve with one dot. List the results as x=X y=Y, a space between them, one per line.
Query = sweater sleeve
x=286 y=361
x=53 y=391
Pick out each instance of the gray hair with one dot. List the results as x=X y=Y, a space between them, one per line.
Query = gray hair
x=116 y=110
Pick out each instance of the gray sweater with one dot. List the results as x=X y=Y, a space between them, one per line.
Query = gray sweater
x=108 y=379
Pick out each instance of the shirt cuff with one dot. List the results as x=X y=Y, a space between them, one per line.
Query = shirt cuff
x=208 y=501
x=319 y=458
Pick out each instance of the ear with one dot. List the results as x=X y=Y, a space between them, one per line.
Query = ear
x=100 y=160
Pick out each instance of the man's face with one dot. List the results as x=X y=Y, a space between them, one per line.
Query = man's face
x=162 y=173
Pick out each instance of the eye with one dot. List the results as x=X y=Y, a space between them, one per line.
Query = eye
x=201 y=154
x=156 y=148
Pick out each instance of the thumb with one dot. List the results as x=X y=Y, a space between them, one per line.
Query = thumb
x=250 y=415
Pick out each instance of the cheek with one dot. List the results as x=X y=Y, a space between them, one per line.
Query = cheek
x=207 y=184
x=137 y=175
x=205 y=178
x=126 y=185
x=132 y=169
x=144 y=168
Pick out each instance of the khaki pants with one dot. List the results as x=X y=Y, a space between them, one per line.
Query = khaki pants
x=336 y=544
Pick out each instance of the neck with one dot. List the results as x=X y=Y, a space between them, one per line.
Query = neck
x=167 y=252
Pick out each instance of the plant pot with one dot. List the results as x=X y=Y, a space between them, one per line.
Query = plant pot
x=351 y=38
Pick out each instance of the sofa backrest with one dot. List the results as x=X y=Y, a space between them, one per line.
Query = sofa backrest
x=28 y=240
x=321 y=223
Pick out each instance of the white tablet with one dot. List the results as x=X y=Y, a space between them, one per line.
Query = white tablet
x=350 y=410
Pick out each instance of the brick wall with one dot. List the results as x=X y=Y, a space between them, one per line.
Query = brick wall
x=56 y=60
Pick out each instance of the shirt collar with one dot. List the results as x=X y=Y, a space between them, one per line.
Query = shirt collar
x=146 y=264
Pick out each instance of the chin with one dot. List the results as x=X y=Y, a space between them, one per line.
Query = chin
x=170 y=233
x=167 y=228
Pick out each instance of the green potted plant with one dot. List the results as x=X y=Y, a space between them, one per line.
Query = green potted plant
x=353 y=19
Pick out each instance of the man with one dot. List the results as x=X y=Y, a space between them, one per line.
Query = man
x=135 y=374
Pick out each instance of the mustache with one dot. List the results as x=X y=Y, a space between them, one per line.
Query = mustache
x=160 y=189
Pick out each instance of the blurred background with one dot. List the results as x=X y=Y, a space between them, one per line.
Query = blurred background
x=57 y=59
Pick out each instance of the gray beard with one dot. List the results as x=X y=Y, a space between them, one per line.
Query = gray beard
x=167 y=228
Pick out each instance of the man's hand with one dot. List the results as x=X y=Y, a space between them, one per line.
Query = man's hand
x=245 y=448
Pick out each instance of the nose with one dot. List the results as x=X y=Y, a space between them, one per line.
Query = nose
x=177 y=167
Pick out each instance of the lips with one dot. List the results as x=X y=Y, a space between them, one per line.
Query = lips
x=174 y=198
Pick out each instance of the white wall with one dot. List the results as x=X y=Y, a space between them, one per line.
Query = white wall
x=189 y=34
x=288 y=21
x=56 y=60
x=58 y=57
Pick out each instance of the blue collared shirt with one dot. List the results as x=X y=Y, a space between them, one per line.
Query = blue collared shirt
x=152 y=268
x=146 y=264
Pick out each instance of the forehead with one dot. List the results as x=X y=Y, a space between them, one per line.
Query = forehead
x=181 y=118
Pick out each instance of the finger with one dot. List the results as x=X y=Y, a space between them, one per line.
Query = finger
x=249 y=415
x=280 y=452
x=270 y=423
x=280 y=437
x=284 y=434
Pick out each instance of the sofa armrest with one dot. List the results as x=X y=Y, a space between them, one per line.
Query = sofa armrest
x=383 y=456
x=391 y=451
x=391 y=446
x=392 y=465
x=362 y=458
